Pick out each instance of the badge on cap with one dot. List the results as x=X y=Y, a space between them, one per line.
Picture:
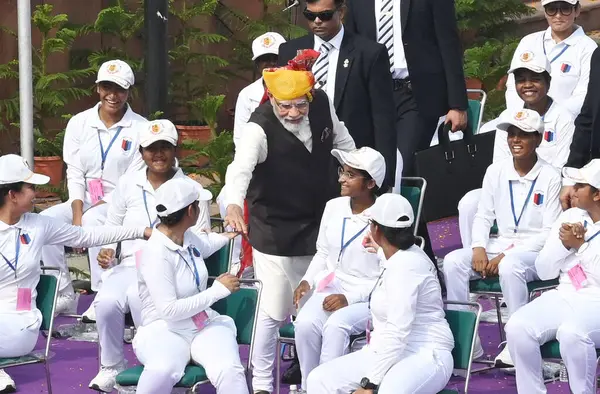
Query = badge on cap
x=521 y=115
x=156 y=128
x=268 y=42
x=113 y=68
x=527 y=56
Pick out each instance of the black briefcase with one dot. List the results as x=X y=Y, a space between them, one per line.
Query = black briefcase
x=452 y=169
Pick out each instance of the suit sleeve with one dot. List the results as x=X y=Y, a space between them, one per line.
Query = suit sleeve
x=583 y=135
x=446 y=31
x=284 y=56
x=383 y=112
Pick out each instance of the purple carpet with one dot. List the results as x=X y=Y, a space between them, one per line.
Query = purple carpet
x=75 y=363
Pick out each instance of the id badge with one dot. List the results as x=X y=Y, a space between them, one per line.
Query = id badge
x=578 y=277
x=96 y=190
x=200 y=320
x=23 y=299
x=326 y=281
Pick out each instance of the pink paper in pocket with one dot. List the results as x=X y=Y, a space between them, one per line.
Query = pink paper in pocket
x=96 y=190
x=23 y=299
x=578 y=277
x=325 y=281
x=200 y=320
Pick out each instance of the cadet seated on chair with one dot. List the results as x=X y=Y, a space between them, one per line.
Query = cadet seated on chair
x=178 y=324
x=531 y=72
x=22 y=236
x=521 y=194
x=568 y=313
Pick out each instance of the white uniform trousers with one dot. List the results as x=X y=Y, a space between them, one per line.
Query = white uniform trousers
x=515 y=270
x=467 y=209
x=573 y=320
x=424 y=371
x=111 y=304
x=323 y=336
x=19 y=333
x=165 y=355
x=280 y=276
x=54 y=255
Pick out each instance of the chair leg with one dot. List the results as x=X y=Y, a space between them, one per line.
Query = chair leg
x=48 y=378
x=499 y=314
x=278 y=368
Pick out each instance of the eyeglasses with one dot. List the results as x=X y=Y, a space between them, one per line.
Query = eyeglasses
x=348 y=175
x=300 y=106
x=323 y=15
x=565 y=9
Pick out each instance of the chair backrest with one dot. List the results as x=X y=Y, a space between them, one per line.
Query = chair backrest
x=463 y=324
x=475 y=110
x=220 y=262
x=47 y=290
x=413 y=189
x=242 y=307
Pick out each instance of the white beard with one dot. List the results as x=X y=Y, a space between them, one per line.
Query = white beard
x=294 y=128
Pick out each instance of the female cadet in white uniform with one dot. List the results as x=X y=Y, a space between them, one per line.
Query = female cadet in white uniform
x=22 y=235
x=570 y=312
x=521 y=194
x=568 y=49
x=342 y=273
x=532 y=73
x=132 y=204
x=177 y=322
x=411 y=343
x=100 y=145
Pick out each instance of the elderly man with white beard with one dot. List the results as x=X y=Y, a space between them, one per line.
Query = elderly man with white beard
x=284 y=168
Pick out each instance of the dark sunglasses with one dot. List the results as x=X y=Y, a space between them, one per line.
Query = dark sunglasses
x=565 y=9
x=323 y=15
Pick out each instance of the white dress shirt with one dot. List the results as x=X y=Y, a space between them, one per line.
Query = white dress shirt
x=538 y=215
x=167 y=281
x=559 y=124
x=407 y=310
x=42 y=231
x=128 y=208
x=400 y=65
x=570 y=62
x=556 y=260
x=357 y=270
x=248 y=100
x=82 y=153
x=253 y=150
x=333 y=57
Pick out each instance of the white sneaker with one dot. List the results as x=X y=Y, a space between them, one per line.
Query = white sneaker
x=89 y=316
x=7 y=385
x=503 y=360
x=67 y=303
x=105 y=381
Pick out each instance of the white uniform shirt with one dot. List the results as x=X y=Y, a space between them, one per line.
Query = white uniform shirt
x=248 y=100
x=407 y=310
x=570 y=62
x=128 y=208
x=252 y=150
x=41 y=231
x=559 y=124
x=538 y=215
x=357 y=271
x=333 y=58
x=83 y=155
x=400 y=65
x=167 y=283
x=556 y=260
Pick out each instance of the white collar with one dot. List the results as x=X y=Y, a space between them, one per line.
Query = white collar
x=571 y=40
x=168 y=242
x=141 y=178
x=256 y=90
x=125 y=121
x=336 y=41
x=530 y=176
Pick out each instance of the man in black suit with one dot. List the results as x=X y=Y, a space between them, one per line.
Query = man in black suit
x=425 y=54
x=586 y=139
x=354 y=72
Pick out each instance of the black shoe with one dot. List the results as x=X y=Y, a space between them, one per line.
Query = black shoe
x=293 y=374
x=261 y=392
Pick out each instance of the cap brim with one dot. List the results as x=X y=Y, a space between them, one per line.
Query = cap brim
x=505 y=125
x=122 y=84
x=346 y=158
x=38 y=179
x=537 y=70
x=267 y=52
x=147 y=143
x=205 y=195
x=574 y=174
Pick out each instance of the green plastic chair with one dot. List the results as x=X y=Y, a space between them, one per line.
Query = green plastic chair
x=242 y=307
x=220 y=262
x=551 y=350
x=413 y=189
x=491 y=287
x=47 y=294
x=476 y=109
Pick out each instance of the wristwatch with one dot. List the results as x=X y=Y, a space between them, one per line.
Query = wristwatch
x=366 y=384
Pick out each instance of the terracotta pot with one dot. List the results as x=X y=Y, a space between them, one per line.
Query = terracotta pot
x=196 y=133
x=473 y=83
x=51 y=166
x=501 y=86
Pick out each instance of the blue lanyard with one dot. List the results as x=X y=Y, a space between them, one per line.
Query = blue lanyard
x=104 y=153
x=152 y=223
x=593 y=236
x=345 y=245
x=512 y=203
x=374 y=287
x=195 y=271
x=559 y=54
x=17 y=249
